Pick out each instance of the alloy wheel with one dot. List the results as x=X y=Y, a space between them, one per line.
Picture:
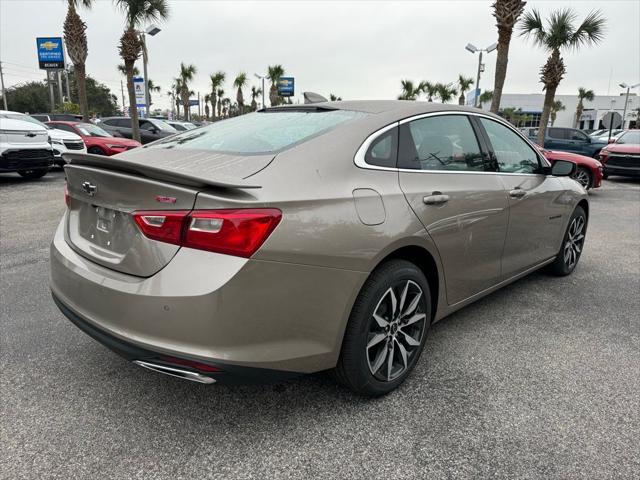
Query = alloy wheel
x=582 y=177
x=396 y=330
x=575 y=242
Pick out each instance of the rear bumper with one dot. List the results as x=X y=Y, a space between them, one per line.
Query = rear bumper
x=228 y=374
x=214 y=308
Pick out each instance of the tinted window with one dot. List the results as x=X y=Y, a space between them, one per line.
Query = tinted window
x=383 y=152
x=578 y=135
x=260 y=132
x=123 y=122
x=513 y=154
x=62 y=126
x=445 y=142
x=558 y=133
x=162 y=125
x=144 y=125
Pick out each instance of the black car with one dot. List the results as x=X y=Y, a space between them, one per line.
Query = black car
x=61 y=117
x=151 y=129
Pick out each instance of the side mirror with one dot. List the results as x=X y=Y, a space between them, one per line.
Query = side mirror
x=563 y=168
x=611 y=140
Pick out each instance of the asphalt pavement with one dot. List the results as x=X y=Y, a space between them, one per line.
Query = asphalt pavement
x=538 y=380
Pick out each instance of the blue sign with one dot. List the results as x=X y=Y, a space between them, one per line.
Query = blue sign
x=471 y=97
x=138 y=88
x=50 y=53
x=286 y=86
x=193 y=102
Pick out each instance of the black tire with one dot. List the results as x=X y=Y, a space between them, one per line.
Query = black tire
x=354 y=368
x=564 y=265
x=96 y=151
x=33 y=174
x=605 y=175
x=585 y=173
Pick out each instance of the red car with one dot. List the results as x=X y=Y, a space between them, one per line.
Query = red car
x=623 y=156
x=97 y=140
x=589 y=172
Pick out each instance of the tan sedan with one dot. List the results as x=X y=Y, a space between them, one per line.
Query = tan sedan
x=304 y=238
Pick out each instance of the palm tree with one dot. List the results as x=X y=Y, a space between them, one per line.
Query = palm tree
x=274 y=73
x=217 y=79
x=239 y=82
x=557 y=106
x=220 y=93
x=137 y=12
x=583 y=94
x=255 y=93
x=175 y=94
x=226 y=104
x=445 y=92
x=485 y=97
x=152 y=88
x=409 y=90
x=463 y=85
x=431 y=89
x=75 y=38
x=508 y=114
x=207 y=97
x=187 y=72
x=507 y=13
x=123 y=70
x=559 y=33
x=334 y=98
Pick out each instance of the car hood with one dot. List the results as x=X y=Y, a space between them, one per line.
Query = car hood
x=20 y=125
x=628 y=148
x=571 y=157
x=56 y=134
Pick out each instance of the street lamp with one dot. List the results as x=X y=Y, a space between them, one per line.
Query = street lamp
x=261 y=77
x=473 y=49
x=626 y=100
x=152 y=30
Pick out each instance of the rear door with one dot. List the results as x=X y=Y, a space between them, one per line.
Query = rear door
x=453 y=188
x=536 y=201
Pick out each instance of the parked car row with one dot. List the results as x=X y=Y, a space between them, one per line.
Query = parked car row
x=622 y=157
x=568 y=140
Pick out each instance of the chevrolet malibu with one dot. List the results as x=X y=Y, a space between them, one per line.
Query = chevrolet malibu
x=297 y=239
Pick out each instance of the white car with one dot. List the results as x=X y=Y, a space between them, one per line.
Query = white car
x=61 y=141
x=24 y=148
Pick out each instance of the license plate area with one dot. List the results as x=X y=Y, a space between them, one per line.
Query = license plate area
x=105 y=219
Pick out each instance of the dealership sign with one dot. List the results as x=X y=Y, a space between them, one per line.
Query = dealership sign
x=286 y=86
x=138 y=87
x=50 y=53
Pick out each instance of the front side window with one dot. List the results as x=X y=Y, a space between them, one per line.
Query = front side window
x=577 y=135
x=446 y=142
x=260 y=132
x=513 y=154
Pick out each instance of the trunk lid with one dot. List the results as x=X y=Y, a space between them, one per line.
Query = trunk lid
x=104 y=191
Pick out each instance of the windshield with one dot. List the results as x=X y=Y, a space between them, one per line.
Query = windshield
x=260 y=132
x=630 y=137
x=24 y=118
x=162 y=125
x=89 y=130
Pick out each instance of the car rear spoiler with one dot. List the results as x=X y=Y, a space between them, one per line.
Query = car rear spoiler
x=154 y=172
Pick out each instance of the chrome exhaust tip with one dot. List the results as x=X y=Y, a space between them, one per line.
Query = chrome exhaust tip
x=175 y=372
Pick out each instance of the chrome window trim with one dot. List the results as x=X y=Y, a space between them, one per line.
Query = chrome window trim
x=359 y=158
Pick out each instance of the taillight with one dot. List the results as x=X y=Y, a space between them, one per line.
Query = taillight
x=238 y=232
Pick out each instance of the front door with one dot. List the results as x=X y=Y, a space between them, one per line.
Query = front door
x=454 y=190
x=537 y=206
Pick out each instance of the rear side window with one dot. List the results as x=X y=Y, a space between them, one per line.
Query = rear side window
x=446 y=142
x=383 y=151
x=558 y=133
x=260 y=132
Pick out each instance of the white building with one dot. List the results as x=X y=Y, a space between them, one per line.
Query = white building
x=591 y=118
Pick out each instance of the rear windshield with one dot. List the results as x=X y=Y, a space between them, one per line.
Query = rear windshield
x=260 y=132
x=629 y=137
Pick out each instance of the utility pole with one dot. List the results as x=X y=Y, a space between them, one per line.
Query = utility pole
x=4 y=93
x=66 y=77
x=59 y=75
x=52 y=99
x=199 y=112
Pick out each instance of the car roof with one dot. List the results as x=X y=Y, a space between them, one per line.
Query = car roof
x=410 y=107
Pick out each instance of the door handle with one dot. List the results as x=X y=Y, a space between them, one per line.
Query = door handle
x=436 y=199
x=517 y=193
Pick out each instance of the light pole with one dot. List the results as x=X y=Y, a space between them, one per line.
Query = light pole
x=261 y=77
x=626 y=100
x=152 y=30
x=473 y=49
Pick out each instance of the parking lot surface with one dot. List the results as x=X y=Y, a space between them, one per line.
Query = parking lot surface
x=538 y=380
